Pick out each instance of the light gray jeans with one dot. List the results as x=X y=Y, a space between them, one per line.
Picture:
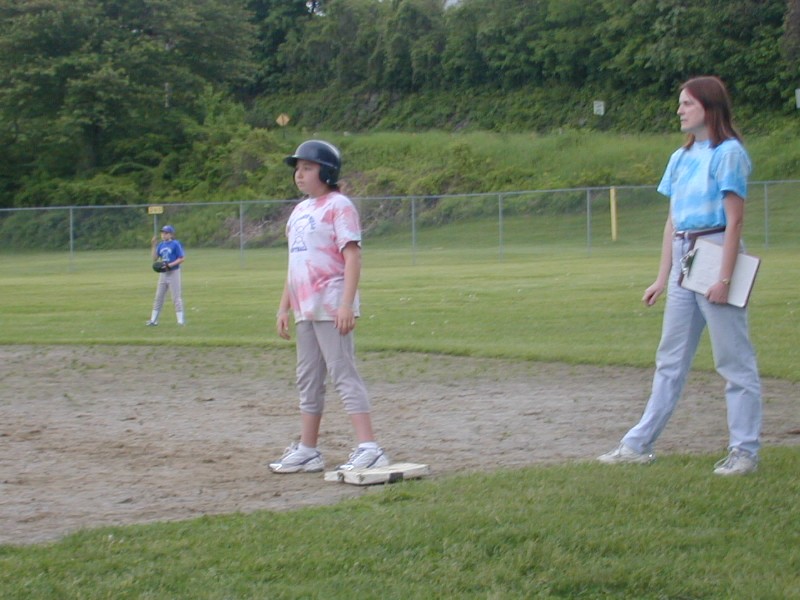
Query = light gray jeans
x=323 y=351
x=686 y=314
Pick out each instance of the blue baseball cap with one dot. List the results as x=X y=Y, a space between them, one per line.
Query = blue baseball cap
x=168 y=229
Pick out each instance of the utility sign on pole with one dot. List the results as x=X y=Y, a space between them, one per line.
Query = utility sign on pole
x=155 y=211
x=283 y=120
x=599 y=108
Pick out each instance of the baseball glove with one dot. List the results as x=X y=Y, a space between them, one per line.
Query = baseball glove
x=160 y=266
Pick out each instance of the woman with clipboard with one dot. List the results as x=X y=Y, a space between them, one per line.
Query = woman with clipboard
x=706 y=182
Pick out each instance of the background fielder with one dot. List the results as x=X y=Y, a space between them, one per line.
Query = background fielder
x=170 y=252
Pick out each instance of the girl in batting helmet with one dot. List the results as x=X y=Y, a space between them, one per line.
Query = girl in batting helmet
x=326 y=155
x=320 y=295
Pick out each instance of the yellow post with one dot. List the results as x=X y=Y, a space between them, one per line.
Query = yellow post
x=612 y=193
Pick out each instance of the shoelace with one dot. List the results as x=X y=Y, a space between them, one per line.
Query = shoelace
x=729 y=460
x=725 y=462
x=355 y=454
x=358 y=452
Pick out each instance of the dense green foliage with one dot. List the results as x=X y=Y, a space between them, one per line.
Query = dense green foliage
x=109 y=86
x=629 y=45
x=111 y=101
x=670 y=530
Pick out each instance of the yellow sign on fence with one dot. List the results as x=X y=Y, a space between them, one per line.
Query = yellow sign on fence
x=155 y=210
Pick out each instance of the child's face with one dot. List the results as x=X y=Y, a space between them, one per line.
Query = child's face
x=306 y=178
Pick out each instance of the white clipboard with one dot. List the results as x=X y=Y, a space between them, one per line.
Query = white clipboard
x=704 y=272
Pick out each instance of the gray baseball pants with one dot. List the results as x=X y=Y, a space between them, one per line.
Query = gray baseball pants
x=169 y=280
x=323 y=351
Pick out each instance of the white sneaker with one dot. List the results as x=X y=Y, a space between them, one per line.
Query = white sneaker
x=152 y=324
x=623 y=454
x=738 y=462
x=295 y=460
x=365 y=458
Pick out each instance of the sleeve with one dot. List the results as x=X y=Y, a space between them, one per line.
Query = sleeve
x=346 y=223
x=731 y=168
x=665 y=186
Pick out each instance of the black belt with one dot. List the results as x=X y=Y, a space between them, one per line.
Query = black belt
x=693 y=234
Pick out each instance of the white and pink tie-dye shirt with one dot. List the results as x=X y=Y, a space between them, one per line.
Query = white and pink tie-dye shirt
x=317 y=231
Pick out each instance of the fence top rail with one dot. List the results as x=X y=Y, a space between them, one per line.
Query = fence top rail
x=500 y=194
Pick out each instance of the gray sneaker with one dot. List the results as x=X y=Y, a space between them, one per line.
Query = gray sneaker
x=623 y=454
x=365 y=458
x=152 y=324
x=738 y=462
x=296 y=461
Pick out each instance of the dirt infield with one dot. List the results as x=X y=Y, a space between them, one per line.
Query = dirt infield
x=93 y=436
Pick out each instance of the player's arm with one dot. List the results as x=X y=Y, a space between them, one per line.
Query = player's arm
x=652 y=293
x=345 y=317
x=734 y=219
x=282 y=317
x=175 y=262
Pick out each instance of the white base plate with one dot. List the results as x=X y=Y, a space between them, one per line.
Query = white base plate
x=388 y=474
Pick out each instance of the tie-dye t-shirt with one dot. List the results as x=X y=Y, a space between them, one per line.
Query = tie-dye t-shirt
x=696 y=181
x=318 y=230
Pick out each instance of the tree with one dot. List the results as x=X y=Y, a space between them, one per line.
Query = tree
x=463 y=62
x=567 y=51
x=657 y=44
x=791 y=35
x=356 y=27
x=274 y=20
x=412 y=44
x=81 y=79
x=508 y=36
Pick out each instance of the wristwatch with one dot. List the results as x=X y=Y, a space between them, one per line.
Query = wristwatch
x=726 y=281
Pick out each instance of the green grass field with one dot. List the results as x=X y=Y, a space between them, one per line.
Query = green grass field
x=571 y=531
x=550 y=300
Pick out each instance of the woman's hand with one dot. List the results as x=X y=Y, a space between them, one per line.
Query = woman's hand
x=718 y=293
x=652 y=293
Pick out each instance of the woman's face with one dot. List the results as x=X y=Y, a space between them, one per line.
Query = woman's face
x=692 y=116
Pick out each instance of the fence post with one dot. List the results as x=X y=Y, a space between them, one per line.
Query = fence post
x=413 y=231
x=588 y=221
x=71 y=238
x=766 y=215
x=241 y=234
x=612 y=196
x=500 y=222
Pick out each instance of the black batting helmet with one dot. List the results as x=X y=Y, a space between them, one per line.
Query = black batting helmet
x=321 y=152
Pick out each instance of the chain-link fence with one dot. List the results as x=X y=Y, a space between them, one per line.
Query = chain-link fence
x=492 y=223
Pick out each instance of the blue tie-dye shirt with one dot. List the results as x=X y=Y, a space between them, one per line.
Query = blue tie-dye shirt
x=697 y=179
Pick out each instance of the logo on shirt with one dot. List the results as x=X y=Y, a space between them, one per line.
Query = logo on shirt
x=299 y=229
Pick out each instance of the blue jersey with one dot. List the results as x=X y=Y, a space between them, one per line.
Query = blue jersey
x=169 y=251
x=697 y=178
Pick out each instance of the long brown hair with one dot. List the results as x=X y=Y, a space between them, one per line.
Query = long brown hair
x=712 y=94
